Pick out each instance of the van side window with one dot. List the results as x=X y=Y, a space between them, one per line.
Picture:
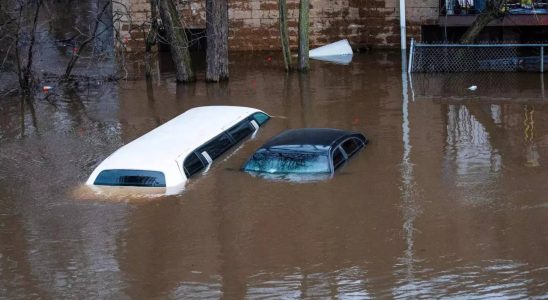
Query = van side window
x=217 y=146
x=260 y=118
x=192 y=165
x=240 y=131
x=351 y=146
x=338 y=158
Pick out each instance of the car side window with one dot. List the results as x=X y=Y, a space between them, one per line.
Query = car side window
x=260 y=118
x=217 y=146
x=351 y=146
x=240 y=131
x=192 y=165
x=338 y=158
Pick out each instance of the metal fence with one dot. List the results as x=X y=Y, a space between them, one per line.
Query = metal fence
x=430 y=58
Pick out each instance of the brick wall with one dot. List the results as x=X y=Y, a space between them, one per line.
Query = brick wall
x=254 y=23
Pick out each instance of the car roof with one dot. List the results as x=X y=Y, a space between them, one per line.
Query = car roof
x=164 y=148
x=322 y=137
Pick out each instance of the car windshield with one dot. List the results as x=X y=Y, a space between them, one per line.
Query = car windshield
x=288 y=162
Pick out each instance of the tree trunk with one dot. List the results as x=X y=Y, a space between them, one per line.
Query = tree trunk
x=217 y=40
x=27 y=75
x=492 y=12
x=178 y=41
x=284 y=34
x=303 y=35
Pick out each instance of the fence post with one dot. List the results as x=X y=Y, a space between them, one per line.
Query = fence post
x=411 y=50
x=541 y=59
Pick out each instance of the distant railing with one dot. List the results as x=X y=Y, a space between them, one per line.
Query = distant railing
x=473 y=7
x=431 y=58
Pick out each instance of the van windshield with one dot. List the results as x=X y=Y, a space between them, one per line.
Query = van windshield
x=288 y=162
x=131 y=178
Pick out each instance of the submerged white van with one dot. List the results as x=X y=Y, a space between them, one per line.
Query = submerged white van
x=170 y=154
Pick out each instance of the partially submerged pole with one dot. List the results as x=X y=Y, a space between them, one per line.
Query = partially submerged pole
x=303 y=35
x=403 y=33
x=284 y=34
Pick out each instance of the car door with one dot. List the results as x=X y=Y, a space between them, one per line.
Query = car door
x=351 y=146
x=338 y=157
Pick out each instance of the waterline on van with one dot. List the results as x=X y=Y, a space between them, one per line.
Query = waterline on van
x=124 y=194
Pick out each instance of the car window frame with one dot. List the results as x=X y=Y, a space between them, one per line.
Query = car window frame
x=246 y=121
x=211 y=142
x=200 y=149
x=342 y=162
x=349 y=155
x=188 y=174
x=344 y=153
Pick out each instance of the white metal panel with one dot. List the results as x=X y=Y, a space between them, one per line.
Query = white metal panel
x=162 y=148
x=341 y=47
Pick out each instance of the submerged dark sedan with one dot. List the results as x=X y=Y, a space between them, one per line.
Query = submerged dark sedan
x=306 y=151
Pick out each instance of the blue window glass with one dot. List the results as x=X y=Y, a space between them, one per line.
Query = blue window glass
x=131 y=178
x=288 y=162
x=260 y=118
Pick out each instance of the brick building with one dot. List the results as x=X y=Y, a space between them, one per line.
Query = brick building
x=365 y=23
x=254 y=24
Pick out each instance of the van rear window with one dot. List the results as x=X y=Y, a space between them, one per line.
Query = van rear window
x=131 y=178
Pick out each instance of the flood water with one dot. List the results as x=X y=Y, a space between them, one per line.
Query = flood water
x=448 y=199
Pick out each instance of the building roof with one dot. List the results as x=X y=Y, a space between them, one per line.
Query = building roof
x=165 y=148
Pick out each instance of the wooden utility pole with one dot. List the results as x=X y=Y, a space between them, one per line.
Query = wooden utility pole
x=178 y=41
x=303 y=35
x=217 y=40
x=284 y=34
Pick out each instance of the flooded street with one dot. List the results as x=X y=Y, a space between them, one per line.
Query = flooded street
x=448 y=199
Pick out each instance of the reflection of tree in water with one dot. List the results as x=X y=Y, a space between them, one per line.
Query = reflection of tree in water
x=531 y=155
x=288 y=162
x=472 y=157
x=469 y=145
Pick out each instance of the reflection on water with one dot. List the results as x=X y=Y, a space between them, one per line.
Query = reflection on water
x=448 y=199
x=470 y=152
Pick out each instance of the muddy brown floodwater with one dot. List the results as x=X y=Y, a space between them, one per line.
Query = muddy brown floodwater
x=448 y=199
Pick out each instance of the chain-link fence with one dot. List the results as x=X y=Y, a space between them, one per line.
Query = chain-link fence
x=429 y=58
x=492 y=87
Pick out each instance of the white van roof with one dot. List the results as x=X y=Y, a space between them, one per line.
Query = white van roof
x=165 y=148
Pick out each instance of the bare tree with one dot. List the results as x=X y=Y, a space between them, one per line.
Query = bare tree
x=304 y=10
x=178 y=41
x=493 y=11
x=284 y=34
x=217 y=40
x=91 y=37
x=20 y=24
x=151 y=39
x=19 y=20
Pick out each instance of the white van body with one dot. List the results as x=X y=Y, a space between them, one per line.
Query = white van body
x=165 y=148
